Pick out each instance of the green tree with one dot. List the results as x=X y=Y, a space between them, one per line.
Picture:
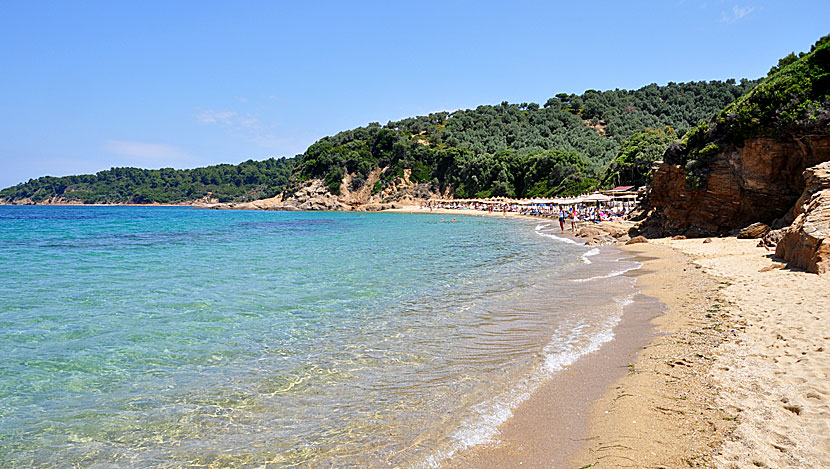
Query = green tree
x=632 y=165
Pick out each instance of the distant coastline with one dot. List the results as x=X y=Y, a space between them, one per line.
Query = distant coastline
x=117 y=204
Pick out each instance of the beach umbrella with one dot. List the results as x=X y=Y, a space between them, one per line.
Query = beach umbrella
x=597 y=198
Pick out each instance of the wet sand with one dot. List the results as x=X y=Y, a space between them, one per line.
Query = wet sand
x=560 y=425
x=551 y=426
x=663 y=413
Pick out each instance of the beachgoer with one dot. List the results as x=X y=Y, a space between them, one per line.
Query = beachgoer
x=442 y=219
x=562 y=219
x=574 y=219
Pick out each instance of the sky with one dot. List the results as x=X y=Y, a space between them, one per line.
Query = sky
x=86 y=85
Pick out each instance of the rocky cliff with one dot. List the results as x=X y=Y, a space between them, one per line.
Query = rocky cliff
x=759 y=181
x=759 y=168
x=313 y=194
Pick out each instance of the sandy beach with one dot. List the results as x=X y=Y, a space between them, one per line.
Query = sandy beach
x=725 y=368
x=740 y=378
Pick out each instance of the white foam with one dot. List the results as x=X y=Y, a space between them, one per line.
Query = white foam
x=592 y=252
x=540 y=227
x=558 y=238
x=614 y=273
x=484 y=426
x=559 y=353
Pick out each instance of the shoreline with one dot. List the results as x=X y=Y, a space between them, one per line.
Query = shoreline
x=552 y=426
x=659 y=414
x=739 y=377
x=710 y=380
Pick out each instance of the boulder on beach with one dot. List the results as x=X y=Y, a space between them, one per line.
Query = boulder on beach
x=754 y=231
x=806 y=243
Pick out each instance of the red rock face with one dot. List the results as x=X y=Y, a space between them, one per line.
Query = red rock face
x=759 y=182
x=806 y=243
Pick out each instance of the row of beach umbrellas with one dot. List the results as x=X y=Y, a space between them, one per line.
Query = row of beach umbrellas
x=595 y=197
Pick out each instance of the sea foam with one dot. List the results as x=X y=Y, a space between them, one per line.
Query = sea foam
x=592 y=252
x=557 y=238
x=614 y=273
x=565 y=348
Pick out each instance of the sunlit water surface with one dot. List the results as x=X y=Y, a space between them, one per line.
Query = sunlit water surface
x=147 y=336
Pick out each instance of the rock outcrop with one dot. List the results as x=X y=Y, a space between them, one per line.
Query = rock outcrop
x=746 y=164
x=605 y=233
x=754 y=231
x=315 y=195
x=757 y=182
x=806 y=243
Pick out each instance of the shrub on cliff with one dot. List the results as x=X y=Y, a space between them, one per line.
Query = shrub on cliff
x=795 y=95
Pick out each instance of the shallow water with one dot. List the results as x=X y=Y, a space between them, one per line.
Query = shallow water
x=148 y=336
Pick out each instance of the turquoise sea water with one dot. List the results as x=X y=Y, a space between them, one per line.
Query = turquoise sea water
x=163 y=337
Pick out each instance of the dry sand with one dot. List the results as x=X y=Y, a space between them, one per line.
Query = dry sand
x=741 y=379
x=773 y=376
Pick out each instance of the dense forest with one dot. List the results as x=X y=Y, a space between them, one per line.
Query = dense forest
x=795 y=94
x=249 y=180
x=570 y=144
x=565 y=146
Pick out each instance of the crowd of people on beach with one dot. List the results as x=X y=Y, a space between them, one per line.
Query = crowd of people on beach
x=575 y=213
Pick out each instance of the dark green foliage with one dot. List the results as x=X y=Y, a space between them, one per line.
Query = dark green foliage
x=511 y=174
x=796 y=94
x=377 y=187
x=333 y=181
x=800 y=90
x=515 y=149
x=633 y=163
x=246 y=181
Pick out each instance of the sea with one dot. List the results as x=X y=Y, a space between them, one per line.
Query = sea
x=171 y=336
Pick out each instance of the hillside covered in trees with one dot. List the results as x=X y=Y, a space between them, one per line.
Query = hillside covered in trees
x=569 y=144
x=517 y=150
x=246 y=181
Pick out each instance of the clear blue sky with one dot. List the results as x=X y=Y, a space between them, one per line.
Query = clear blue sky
x=86 y=86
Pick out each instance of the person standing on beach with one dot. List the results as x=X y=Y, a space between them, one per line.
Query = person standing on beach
x=574 y=219
x=562 y=219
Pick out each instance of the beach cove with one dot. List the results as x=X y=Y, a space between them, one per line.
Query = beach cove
x=715 y=358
